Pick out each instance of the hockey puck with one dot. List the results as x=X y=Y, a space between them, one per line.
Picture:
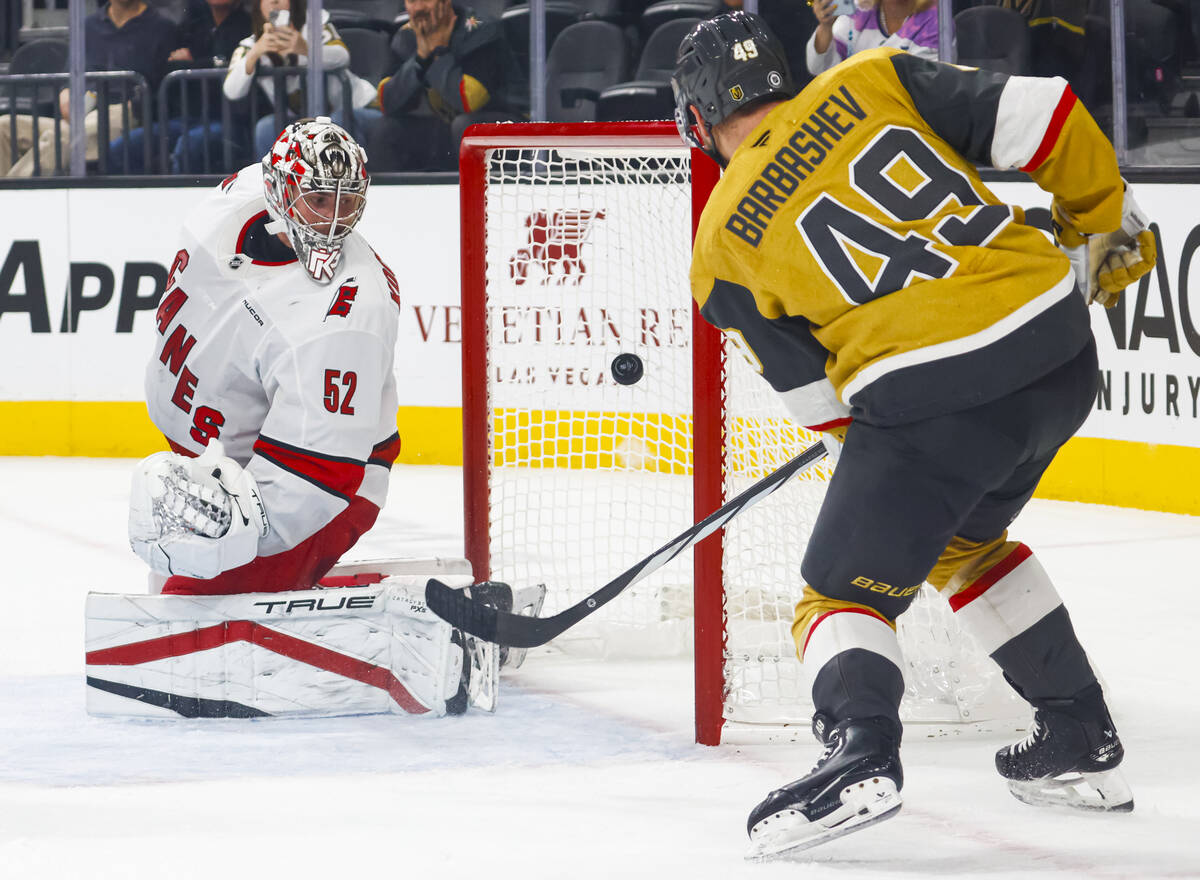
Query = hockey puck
x=627 y=368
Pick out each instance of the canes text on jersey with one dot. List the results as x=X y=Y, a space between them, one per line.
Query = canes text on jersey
x=805 y=150
x=206 y=421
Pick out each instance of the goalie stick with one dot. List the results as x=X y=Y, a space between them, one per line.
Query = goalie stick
x=518 y=631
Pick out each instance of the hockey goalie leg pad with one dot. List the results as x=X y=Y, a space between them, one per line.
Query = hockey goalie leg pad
x=371 y=571
x=478 y=679
x=309 y=653
x=479 y=684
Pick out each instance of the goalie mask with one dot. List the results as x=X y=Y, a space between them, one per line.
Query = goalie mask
x=315 y=181
x=725 y=64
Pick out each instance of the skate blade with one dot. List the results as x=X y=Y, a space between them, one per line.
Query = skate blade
x=1104 y=792
x=864 y=804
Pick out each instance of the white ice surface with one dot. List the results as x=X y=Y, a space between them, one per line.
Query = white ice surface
x=588 y=769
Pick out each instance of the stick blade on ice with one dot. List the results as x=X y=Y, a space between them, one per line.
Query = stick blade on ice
x=453 y=606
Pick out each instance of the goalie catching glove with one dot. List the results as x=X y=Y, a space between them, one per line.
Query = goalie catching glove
x=1106 y=263
x=195 y=517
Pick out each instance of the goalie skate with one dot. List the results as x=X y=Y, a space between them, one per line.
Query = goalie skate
x=855 y=784
x=1069 y=758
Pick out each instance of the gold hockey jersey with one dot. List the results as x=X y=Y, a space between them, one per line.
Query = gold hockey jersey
x=853 y=249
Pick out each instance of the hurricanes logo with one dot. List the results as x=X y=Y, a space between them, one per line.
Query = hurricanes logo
x=343 y=300
x=555 y=242
x=736 y=93
x=774 y=80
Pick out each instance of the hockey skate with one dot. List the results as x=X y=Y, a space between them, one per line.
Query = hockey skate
x=855 y=783
x=1070 y=757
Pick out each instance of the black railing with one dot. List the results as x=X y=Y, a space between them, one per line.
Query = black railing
x=217 y=133
x=115 y=87
x=181 y=89
x=183 y=80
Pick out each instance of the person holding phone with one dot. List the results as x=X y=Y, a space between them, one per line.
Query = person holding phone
x=278 y=41
x=844 y=28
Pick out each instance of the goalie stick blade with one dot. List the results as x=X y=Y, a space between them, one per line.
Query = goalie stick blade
x=454 y=607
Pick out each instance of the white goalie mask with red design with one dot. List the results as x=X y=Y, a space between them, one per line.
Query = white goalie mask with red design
x=315 y=180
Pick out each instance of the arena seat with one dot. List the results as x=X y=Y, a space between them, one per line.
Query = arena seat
x=648 y=95
x=587 y=57
x=993 y=38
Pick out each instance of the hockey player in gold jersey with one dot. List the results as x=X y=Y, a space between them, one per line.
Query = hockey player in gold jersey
x=943 y=343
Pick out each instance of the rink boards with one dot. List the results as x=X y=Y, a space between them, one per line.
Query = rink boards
x=76 y=328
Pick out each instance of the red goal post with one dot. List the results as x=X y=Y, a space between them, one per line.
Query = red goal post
x=706 y=359
x=575 y=246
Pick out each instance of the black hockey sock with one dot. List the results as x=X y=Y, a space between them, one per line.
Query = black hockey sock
x=1046 y=660
x=858 y=684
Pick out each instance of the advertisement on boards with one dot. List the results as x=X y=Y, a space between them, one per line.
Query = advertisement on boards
x=81 y=272
x=1149 y=344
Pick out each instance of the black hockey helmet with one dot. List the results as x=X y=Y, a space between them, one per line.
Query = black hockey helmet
x=727 y=63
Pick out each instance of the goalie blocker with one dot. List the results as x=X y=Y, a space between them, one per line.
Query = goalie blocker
x=368 y=645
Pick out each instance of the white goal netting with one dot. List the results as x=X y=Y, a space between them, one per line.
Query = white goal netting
x=587 y=256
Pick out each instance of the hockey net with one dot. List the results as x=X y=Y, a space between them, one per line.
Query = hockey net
x=576 y=243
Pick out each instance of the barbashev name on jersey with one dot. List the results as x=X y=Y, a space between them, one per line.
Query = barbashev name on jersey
x=833 y=119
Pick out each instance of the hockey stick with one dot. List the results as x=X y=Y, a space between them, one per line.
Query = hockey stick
x=518 y=631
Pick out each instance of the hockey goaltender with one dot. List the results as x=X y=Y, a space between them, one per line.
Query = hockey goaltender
x=273 y=383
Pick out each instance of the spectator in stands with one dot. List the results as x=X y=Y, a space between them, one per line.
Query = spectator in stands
x=121 y=35
x=910 y=25
x=280 y=42
x=459 y=71
x=209 y=33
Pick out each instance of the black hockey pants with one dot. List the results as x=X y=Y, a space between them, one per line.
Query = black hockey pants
x=900 y=493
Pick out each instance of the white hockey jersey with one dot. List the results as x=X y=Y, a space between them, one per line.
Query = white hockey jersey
x=295 y=378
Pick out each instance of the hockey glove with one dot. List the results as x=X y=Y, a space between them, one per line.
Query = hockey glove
x=195 y=517
x=1106 y=263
